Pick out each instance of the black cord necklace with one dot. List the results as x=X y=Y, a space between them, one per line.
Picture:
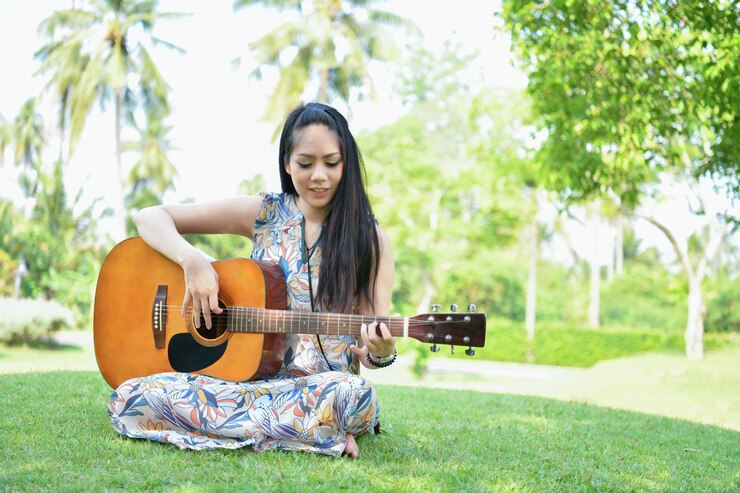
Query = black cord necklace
x=307 y=253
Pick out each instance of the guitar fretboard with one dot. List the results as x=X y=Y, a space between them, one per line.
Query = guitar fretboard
x=262 y=320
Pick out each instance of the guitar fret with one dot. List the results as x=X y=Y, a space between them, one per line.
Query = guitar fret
x=242 y=319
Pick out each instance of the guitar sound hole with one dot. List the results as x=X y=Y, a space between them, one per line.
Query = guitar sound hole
x=218 y=324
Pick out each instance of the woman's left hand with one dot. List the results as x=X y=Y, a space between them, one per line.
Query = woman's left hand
x=379 y=345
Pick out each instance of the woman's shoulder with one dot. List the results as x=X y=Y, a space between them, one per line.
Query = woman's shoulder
x=277 y=198
x=276 y=207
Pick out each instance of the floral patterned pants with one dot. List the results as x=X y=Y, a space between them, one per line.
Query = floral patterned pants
x=310 y=413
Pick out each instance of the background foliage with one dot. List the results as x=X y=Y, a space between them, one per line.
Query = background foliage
x=451 y=180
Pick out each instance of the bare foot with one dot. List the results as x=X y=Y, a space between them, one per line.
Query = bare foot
x=351 y=448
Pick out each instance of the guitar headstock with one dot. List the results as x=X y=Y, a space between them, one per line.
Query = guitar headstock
x=453 y=329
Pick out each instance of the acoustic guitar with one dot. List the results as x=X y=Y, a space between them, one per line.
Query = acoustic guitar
x=138 y=328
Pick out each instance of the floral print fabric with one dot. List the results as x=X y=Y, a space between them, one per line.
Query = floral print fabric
x=314 y=400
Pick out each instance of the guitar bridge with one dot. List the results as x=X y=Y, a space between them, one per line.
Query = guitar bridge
x=159 y=316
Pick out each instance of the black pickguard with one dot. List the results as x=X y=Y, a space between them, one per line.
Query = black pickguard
x=188 y=355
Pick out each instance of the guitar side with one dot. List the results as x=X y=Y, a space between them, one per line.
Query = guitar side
x=123 y=318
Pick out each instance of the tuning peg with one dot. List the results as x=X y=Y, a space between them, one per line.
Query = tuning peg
x=435 y=308
x=470 y=351
x=453 y=308
x=472 y=308
x=452 y=349
x=434 y=348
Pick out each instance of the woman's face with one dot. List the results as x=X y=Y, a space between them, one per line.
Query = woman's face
x=315 y=167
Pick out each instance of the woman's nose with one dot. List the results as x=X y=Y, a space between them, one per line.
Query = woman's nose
x=319 y=172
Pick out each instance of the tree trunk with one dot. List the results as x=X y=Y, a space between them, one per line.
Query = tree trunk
x=694 y=336
x=610 y=264
x=619 y=245
x=595 y=271
x=119 y=208
x=531 y=303
x=426 y=299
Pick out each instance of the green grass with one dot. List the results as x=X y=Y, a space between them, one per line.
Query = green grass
x=56 y=437
x=14 y=359
x=667 y=384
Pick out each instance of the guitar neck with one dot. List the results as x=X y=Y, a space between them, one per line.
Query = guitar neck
x=262 y=320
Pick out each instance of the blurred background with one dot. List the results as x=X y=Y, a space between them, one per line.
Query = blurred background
x=571 y=168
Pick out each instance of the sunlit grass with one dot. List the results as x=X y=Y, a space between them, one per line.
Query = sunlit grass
x=16 y=359
x=56 y=437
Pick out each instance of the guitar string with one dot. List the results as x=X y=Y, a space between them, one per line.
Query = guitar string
x=293 y=315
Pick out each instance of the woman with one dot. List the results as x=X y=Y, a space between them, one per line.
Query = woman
x=322 y=222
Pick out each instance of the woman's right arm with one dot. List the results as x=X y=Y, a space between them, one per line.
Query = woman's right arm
x=162 y=227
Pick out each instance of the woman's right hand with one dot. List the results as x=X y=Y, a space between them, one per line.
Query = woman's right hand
x=201 y=288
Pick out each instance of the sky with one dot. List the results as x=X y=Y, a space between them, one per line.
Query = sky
x=218 y=136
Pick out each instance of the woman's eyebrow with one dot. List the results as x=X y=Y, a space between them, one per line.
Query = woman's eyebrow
x=304 y=154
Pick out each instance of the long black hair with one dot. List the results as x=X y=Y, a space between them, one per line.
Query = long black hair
x=350 y=255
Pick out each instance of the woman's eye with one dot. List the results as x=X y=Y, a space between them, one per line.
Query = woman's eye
x=331 y=165
x=304 y=165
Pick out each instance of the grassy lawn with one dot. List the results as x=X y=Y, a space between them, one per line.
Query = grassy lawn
x=56 y=437
x=48 y=358
x=666 y=384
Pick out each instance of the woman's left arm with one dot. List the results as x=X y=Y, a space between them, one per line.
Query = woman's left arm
x=376 y=338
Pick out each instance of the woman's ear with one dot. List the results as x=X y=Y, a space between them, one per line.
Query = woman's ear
x=286 y=163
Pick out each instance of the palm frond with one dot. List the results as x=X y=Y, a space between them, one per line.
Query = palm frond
x=73 y=20
x=161 y=42
x=277 y=4
x=84 y=96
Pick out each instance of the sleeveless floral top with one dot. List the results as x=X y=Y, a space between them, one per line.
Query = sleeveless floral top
x=278 y=238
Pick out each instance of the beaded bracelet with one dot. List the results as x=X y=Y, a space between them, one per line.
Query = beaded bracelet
x=384 y=361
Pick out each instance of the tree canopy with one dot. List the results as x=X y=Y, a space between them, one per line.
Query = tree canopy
x=627 y=89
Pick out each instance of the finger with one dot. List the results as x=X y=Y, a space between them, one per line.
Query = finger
x=386 y=333
x=359 y=351
x=206 y=311
x=372 y=333
x=363 y=335
x=185 y=303
x=196 y=313
x=374 y=341
x=213 y=299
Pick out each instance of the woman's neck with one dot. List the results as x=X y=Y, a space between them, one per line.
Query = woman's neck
x=313 y=217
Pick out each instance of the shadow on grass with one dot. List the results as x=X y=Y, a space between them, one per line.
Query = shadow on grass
x=47 y=345
x=57 y=437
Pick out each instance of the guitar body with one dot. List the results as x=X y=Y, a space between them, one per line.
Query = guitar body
x=127 y=318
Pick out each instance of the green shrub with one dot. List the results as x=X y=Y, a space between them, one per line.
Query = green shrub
x=723 y=304
x=26 y=321
x=645 y=296
x=566 y=345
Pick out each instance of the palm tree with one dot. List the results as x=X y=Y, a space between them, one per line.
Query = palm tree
x=67 y=61
x=154 y=173
x=5 y=138
x=104 y=42
x=335 y=42
x=27 y=134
